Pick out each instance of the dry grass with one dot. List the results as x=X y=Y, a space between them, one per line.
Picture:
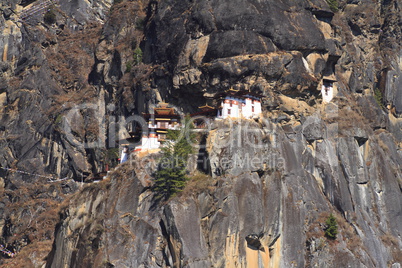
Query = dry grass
x=349 y=234
x=14 y=82
x=349 y=116
x=197 y=184
x=391 y=242
x=101 y=185
x=33 y=217
x=129 y=15
x=71 y=59
x=316 y=230
x=29 y=255
x=383 y=146
x=316 y=227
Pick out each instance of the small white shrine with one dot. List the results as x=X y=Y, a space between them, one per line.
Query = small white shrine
x=327 y=90
x=238 y=104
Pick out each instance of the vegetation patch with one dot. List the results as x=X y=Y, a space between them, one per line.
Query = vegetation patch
x=333 y=5
x=392 y=242
x=129 y=66
x=140 y=23
x=198 y=183
x=31 y=222
x=378 y=98
x=171 y=178
x=111 y=157
x=49 y=17
x=320 y=228
x=348 y=116
x=331 y=229
x=137 y=56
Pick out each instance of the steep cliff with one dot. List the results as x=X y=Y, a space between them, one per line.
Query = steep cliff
x=68 y=89
x=44 y=73
x=267 y=208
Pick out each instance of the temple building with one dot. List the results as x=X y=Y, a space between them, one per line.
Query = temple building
x=162 y=119
x=229 y=104
x=238 y=104
x=202 y=118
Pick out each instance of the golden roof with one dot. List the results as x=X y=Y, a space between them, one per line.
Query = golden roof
x=206 y=107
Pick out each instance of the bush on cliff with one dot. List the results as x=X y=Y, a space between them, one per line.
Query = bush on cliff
x=378 y=97
x=129 y=66
x=137 y=56
x=331 y=229
x=170 y=177
x=49 y=17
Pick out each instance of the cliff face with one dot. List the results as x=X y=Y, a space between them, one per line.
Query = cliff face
x=44 y=73
x=268 y=211
x=274 y=182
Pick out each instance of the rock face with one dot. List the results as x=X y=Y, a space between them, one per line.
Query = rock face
x=38 y=69
x=265 y=211
x=43 y=67
x=67 y=91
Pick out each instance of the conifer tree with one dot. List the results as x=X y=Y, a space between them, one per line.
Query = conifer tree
x=170 y=177
x=331 y=229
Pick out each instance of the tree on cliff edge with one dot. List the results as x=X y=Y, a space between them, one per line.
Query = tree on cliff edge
x=170 y=178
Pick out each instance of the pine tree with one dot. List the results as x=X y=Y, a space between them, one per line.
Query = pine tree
x=331 y=229
x=169 y=181
x=170 y=177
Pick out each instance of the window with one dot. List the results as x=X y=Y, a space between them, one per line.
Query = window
x=163 y=124
x=228 y=111
x=252 y=109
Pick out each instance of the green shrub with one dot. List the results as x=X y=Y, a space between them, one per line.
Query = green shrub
x=183 y=140
x=139 y=23
x=137 y=56
x=58 y=120
x=49 y=17
x=333 y=5
x=112 y=154
x=331 y=230
x=129 y=65
x=378 y=97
